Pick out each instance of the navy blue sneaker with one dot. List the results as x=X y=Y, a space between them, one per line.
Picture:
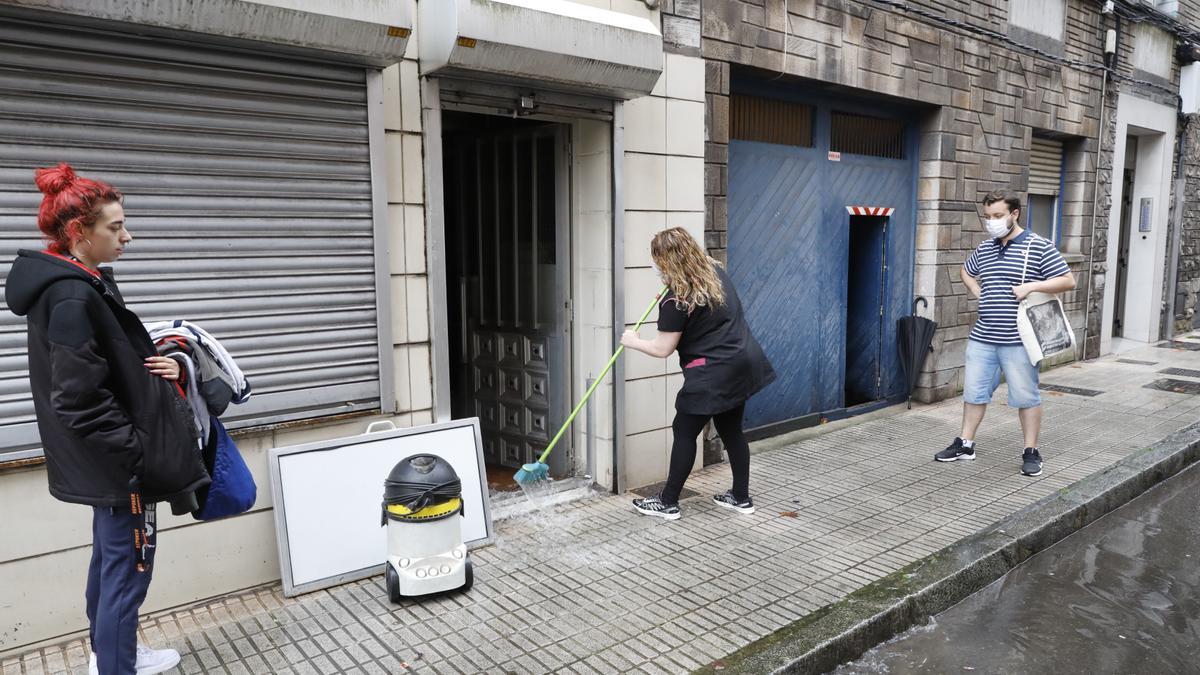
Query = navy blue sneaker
x=1031 y=462
x=955 y=452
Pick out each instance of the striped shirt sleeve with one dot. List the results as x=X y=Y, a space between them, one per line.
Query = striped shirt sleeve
x=1051 y=262
x=972 y=263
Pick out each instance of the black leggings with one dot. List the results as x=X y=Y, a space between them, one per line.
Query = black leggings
x=683 y=451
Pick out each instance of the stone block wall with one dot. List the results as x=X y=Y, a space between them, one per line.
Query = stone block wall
x=1186 y=295
x=681 y=26
x=986 y=95
x=1184 y=299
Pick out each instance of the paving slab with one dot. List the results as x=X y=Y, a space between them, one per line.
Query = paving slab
x=591 y=586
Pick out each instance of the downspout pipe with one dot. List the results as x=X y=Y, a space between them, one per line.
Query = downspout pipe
x=620 y=466
x=1112 y=41
x=1087 y=307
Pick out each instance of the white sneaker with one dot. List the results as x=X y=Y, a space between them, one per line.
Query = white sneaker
x=149 y=661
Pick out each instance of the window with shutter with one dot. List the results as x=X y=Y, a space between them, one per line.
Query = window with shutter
x=1045 y=182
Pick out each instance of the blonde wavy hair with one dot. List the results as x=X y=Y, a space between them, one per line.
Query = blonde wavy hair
x=686 y=269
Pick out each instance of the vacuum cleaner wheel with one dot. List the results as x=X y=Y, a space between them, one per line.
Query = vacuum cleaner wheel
x=392 y=579
x=470 y=574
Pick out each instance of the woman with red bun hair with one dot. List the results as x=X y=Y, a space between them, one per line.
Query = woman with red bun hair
x=116 y=433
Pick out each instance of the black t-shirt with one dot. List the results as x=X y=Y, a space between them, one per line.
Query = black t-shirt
x=722 y=363
x=708 y=332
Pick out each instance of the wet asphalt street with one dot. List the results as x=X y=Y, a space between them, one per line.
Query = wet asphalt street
x=1120 y=596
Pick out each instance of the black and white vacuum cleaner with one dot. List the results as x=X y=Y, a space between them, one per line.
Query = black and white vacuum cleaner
x=423 y=509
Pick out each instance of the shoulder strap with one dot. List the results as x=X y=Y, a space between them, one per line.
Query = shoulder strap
x=1028 y=245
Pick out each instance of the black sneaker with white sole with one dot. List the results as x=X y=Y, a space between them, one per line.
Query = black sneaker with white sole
x=727 y=500
x=955 y=451
x=1031 y=462
x=653 y=506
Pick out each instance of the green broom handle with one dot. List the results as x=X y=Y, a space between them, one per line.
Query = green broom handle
x=607 y=367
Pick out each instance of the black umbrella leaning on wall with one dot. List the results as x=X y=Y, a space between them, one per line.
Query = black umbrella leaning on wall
x=914 y=336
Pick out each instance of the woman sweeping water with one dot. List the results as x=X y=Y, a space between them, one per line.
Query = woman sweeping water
x=701 y=317
x=114 y=429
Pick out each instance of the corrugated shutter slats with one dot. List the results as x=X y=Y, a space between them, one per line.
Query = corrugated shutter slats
x=248 y=194
x=753 y=118
x=1045 y=166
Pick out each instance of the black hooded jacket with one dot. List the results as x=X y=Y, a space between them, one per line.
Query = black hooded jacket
x=104 y=419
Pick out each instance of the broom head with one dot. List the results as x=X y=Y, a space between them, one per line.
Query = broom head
x=532 y=473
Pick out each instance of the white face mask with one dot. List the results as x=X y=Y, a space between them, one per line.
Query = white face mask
x=997 y=227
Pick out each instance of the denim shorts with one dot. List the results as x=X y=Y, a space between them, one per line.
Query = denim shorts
x=985 y=363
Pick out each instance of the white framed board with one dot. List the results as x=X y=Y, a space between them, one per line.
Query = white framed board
x=328 y=498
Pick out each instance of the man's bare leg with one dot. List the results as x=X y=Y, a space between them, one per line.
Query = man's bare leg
x=1031 y=424
x=972 y=417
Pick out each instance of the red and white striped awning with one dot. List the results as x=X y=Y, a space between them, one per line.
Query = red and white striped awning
x=869 y=210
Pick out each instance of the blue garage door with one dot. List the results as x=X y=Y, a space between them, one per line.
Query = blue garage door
x=810 y=273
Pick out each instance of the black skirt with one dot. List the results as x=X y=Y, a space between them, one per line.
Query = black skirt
x=717 y=385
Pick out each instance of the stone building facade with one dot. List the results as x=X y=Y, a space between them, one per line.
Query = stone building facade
x=989 y=81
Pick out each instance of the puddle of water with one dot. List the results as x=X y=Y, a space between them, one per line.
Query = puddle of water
x=551 y=531
x=1116 y=597
x=537 y=492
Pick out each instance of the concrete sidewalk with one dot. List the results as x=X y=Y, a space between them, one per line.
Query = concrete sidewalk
x=593 y=587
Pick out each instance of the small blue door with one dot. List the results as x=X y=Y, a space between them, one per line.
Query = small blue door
x=866 y=264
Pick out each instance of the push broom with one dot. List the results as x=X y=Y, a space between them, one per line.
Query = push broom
x=539 y=470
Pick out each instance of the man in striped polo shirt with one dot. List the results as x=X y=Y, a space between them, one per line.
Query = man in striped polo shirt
x=1001 y=271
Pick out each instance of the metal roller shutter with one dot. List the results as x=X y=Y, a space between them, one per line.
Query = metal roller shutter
x=248 y=191
x=1045 y=166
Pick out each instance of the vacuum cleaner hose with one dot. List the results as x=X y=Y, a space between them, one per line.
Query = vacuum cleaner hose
x=416 y=496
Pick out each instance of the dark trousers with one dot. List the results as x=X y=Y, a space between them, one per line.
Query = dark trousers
x=683 y=451
x=116 y=587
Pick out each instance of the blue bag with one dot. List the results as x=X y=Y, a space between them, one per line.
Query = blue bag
x=232 y=490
